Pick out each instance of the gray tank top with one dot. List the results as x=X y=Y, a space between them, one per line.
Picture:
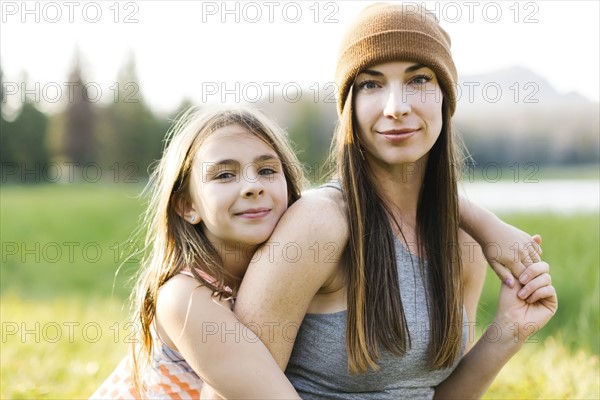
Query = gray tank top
x=318 y=367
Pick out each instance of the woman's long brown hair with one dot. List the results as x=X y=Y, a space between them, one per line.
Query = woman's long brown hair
x=375 y=312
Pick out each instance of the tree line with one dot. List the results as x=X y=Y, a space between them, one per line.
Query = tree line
x=120 y=140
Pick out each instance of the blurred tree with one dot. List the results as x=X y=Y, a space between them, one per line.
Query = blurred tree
x=3 y=122
x=78 y=144
x=22 y=142
x=130 y=134
x=26 y=136
x=311 y=128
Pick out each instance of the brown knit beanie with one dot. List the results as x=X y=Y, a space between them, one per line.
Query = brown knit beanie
x=396 y=32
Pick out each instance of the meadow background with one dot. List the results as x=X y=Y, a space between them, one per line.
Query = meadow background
x=64 y=309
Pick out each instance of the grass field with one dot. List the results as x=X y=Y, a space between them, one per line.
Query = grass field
x=64 y=325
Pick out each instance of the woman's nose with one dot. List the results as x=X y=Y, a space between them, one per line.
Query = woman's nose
x=397 y=102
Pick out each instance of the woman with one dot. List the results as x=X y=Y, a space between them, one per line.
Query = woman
x=381 y=290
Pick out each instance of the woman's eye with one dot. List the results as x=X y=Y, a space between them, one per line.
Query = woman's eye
x=421 y=79
x=368 y=85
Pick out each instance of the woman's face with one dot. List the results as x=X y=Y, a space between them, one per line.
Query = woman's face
x=398 y=113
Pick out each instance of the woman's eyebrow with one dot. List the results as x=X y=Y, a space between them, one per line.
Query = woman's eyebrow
x=371 y=72
x=412 y=68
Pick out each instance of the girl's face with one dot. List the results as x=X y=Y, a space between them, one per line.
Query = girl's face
x=398 y=111
x=238 y=188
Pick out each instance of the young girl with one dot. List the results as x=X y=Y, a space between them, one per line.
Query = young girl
x=225 y=179
x=386 y=289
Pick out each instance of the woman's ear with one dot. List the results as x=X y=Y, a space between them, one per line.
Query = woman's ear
x=186 y=209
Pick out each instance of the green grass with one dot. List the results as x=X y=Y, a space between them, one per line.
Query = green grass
x=548 y=371
x=67 y=239
x=60 y=348
x=570 y=245
x=43 y=295
x=94 y=335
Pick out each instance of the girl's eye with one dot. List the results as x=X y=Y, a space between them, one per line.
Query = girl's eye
x=224 y=176
x=267 y=171
x=421 y=79
x=367 y=85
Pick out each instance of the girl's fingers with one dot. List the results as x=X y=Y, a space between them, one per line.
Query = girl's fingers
x=532 y=253
x=527 y=292
x=533 y=271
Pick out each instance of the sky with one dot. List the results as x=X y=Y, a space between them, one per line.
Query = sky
x=215 y=51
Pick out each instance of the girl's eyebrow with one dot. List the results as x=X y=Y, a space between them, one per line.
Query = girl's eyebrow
x=412 y=68
x=266 y=157
x=261 y=158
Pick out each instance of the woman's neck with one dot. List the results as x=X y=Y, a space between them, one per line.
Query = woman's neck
x=400 y=186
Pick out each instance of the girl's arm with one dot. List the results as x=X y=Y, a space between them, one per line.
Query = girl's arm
x=518 y=312
x=221 y=350
x=508 y=250
x=301 y=256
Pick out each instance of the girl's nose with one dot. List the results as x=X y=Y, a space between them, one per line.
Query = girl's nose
x=253 y=186
x=253 y=192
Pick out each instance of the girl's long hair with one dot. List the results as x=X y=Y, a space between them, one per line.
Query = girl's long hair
x=375 y=313
x=170 y=242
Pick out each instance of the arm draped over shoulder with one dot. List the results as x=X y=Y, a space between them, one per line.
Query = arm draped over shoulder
x=277 y=289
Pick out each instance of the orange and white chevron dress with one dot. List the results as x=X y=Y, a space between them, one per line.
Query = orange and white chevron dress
x=169 y=376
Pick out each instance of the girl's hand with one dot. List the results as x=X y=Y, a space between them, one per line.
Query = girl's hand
x=524 y=309
x=511 y=252
x=507 y=249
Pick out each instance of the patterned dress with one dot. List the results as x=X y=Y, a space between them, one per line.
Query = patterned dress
x=169 y=376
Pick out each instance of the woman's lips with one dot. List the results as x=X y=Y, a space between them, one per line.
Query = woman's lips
x=398 y=134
